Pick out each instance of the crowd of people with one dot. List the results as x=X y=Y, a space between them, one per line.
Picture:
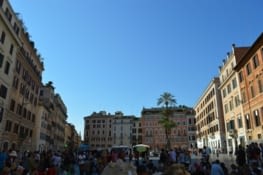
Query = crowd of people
x=175 y=161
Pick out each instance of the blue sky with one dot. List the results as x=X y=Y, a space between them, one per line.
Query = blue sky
x=121 y=55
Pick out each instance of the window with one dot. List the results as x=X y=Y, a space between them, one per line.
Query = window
x=226 y=108
x=21 y=132
x=16 y=128
x=8 y=125
x=24 y=112
x=12 y=105
x=229 y=88
x=1 y=59
x=256 y=117
x=234 y=83
x=237 y=101
x=18 y=67
x=252 y=91
x=247 y=120
x=1 y=113
x=8 y=14
x=240 y=76
x=2 y=39
x=243 y=94
x=231 y=105
x=248 y=68
x=33 y=118
x=7 y=67
x=15 y=82
x=189 y=121
x=224 y=92
x=260 y=86
x=11 y=49
x=255 y=61
x=19 y=109
x=16 y=28
x=3 y=91
x=239 y=121
x=232 y=124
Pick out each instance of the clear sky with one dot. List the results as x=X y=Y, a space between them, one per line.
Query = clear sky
x=121 y=55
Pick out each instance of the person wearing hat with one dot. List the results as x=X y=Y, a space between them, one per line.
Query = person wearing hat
x=12 y=161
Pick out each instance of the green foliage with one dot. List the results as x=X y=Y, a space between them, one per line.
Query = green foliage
x=166 y=99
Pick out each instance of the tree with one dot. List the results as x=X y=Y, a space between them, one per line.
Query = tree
x=167 y=100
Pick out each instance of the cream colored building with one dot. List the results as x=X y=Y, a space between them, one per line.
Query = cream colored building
x=59 y=118
x=209 y=118
x=44 y=128
x=122 y=129
x=231 y=100
x=72 y=139
x=25 y=73
x=9 y=38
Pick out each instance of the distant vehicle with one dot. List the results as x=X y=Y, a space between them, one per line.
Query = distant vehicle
x=141 y=150
x=118 y=148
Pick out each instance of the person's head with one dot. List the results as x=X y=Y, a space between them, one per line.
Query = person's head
x=176 y=169
x=13 y=154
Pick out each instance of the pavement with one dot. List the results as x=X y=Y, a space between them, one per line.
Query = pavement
x=225 y=158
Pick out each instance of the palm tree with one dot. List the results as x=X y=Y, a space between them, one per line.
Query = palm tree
x=167 y=100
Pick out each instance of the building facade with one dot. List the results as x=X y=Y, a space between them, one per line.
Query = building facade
x=231 y=99
x=191 y=130
x=136 y=132
x=250 y=76
x=26 y=121
x=153 y=133
x=25 y=74
x=209 y=118
x=72 y=139
x=98 y=130
x=104 y=130
x=44 y=129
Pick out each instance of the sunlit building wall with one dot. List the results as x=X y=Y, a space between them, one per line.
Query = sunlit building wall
x=9 y=44
x=250 y=77
x=98 y=130
x=231 y=100
x=44 y=129
x=122 y=129
x=209 y=118
x=59 y=117
x=25 y=74
x=153 y=132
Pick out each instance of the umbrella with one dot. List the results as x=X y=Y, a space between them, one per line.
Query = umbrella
x=141 y=147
